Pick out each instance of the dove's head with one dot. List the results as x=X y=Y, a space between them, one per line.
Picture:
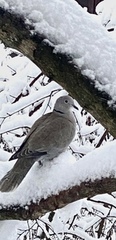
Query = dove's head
x=64 y=104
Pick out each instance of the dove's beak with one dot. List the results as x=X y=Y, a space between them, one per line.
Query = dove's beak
x=75 y=107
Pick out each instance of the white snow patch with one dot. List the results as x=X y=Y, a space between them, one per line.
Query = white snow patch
x=61 y=173
x=74 y=31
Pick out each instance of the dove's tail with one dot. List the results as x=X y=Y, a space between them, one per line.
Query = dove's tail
x=15 y=176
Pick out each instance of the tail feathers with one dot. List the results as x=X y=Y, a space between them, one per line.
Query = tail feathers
x=10 y=181
x=15 y=176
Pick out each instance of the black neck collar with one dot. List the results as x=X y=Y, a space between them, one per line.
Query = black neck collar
x=58 y=111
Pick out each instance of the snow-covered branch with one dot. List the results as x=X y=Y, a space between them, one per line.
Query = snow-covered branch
x=60 y=182
x=86 y=80
x=34 y=210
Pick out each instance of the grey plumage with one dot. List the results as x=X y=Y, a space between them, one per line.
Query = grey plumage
x=48 y=137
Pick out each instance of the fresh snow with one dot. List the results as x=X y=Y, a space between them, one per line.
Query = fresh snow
x=107 y=12
x=74 y=31
x=50 y=178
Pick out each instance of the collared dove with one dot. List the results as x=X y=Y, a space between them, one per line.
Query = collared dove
x=49 y=136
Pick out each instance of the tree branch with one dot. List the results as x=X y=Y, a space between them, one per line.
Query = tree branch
x=35 y=210
x=16 y=34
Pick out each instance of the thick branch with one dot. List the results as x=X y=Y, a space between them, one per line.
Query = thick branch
x=14 y=33
x=35 y=210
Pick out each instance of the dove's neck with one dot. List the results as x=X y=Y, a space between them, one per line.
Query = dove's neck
x=58 y=111
x=68 y=115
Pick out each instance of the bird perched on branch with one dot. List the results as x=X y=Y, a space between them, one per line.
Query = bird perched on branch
x=49 y=136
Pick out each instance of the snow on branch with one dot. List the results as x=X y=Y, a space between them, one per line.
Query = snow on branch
x=68 y=49
x=47 y=188
x=35 y=210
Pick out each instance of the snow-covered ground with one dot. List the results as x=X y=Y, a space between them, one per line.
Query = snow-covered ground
x=23 y=100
